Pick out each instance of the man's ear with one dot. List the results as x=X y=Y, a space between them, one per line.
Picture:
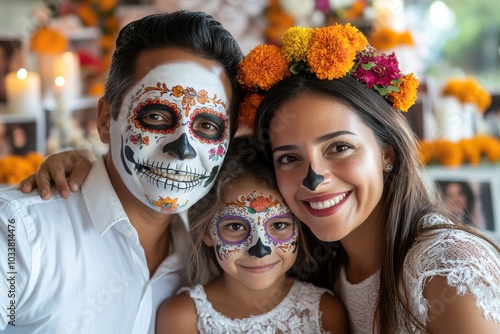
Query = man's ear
x=207 y=239
x=103 y=119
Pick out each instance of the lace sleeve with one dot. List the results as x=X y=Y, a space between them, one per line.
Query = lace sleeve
x=470 y=264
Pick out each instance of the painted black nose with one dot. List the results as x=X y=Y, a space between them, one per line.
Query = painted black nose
x=312 y=180
x=259 y=250
x=180 y=148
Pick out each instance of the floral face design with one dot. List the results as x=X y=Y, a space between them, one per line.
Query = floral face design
x=256 y=223
x=171 y=136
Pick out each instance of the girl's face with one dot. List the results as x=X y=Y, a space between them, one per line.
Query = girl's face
x=328 y=163
x=254 y=235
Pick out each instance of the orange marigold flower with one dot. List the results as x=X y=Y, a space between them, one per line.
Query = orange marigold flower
x=331 y=54
x=384 y=38
x=48 y=41
x=249 y=107
x=470 y=151
x=87 y=15
x=407 y=95
x=357 y=39
x=263 y=67
x=448 y=153
x=426 y=150
x=468 y=90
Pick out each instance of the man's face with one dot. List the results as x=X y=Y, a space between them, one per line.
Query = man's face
x=171 y=135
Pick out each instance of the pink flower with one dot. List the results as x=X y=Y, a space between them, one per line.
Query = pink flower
x=134 y=139
x=220 y=150
x=377 y=69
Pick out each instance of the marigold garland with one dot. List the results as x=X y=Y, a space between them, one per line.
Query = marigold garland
x=330 y=52
x=468 y=90
x=465 y=151
x=15 y=168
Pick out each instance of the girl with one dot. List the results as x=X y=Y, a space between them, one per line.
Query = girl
x=244 y=228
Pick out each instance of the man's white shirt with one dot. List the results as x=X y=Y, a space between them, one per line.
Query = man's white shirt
x=76 y=265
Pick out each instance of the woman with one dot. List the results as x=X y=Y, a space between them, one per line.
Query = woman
x=346 y=163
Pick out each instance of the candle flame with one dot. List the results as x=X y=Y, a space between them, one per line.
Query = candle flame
x=59 y=81
x=22 y=74
x=67 y=57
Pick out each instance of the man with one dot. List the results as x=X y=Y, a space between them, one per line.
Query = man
x=103 y=260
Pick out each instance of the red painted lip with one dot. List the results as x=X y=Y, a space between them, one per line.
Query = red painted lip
x=259 y=269
x=325 y=212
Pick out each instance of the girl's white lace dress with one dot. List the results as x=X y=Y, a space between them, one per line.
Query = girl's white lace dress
x=297 y=313
x=470 y=264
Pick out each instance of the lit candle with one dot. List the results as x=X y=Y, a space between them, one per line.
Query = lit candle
x=23 y=92
x=67 y=66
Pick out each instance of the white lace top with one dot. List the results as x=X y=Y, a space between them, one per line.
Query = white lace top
x=470 y=264
x=297 y=313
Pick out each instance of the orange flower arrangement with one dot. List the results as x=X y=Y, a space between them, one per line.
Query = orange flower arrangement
x=14 y=168
x=468 y=90
x=329 y=53
x=385 y=38
x=48 y=41
x=454 y=154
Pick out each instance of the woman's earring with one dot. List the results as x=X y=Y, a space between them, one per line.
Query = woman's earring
x=389 y=168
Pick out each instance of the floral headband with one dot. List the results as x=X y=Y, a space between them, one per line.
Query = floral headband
x=330 y=53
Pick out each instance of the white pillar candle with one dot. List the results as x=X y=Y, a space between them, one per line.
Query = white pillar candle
x=23 y=93
x=67 y=65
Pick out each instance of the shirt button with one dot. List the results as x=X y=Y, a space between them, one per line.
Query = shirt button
x=128 y=233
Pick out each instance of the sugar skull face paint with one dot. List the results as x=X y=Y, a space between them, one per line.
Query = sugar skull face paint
x=171 y=136
x=256 y=223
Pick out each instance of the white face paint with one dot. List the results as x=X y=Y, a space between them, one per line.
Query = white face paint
x=256 y=223
x=171 y=136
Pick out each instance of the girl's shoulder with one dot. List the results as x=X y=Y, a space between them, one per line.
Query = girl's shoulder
x=470 y=264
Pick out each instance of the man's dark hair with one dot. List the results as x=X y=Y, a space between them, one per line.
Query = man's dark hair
x=194 y=32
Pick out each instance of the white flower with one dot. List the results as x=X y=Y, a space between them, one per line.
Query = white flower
x=299 y=9
x=338 y=4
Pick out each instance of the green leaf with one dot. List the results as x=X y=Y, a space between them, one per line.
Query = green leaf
x=368 y=66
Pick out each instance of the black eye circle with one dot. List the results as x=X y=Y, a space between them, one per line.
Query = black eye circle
x=208 y=126
x=158 y=117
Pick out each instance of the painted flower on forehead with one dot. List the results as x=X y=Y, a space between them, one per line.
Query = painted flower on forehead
x=263 y=67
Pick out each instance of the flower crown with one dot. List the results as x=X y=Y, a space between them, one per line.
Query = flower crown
x=330 y=52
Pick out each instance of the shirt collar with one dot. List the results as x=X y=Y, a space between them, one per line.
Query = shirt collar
x=103 y=205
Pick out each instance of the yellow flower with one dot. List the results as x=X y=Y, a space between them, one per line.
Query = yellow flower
x=407 y=95
x=248 y=108
x=331 y=54
x=296 y=42
x=263 y=67
x=48 y=41
x=448 y=153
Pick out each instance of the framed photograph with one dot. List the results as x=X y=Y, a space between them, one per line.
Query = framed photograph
x=11 y=59
x=472 y=193
x=20 y=134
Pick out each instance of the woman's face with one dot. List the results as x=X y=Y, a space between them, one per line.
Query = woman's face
x=329 y=165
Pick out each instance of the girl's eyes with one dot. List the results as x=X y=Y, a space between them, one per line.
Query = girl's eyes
x=235 y=227
x=285 y=159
